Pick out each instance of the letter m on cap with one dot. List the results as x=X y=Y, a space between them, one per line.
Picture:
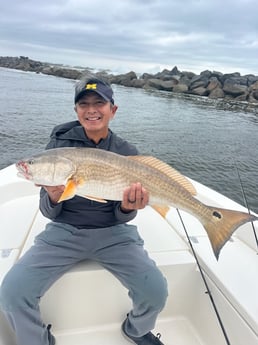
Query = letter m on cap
x=91 y=86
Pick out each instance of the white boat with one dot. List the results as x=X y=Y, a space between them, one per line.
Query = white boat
x=87 y=305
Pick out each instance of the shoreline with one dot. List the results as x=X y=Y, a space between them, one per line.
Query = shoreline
x=228 y=88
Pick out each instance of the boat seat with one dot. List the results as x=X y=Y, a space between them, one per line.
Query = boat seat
x=7 y=258
x=82 y=285
x=81 y=291
x=17 y=217
x=19 y=200
x=161 y=239
x=15 y=227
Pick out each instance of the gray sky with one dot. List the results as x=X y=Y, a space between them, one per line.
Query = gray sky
x=138 y=35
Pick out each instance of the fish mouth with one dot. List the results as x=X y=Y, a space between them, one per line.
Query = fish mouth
x=23 y=170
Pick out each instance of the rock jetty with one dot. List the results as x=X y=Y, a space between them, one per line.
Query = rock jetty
x=214 y=85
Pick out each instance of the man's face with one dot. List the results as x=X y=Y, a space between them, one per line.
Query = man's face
x=94 y=114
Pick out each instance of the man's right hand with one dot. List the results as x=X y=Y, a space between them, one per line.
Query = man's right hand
x=54 y=192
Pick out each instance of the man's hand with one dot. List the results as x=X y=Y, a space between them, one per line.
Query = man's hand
x=135 y=197
x=54 y=192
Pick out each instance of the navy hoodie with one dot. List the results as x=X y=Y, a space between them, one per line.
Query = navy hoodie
x=81 y=212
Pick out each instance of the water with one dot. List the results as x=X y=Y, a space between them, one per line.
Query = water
x=195 y=135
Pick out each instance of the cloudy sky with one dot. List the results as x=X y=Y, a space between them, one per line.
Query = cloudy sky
x=138 y=35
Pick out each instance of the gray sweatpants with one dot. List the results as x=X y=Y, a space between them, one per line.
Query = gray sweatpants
x=59 y=247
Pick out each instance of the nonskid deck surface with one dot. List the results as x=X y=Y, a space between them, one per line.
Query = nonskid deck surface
x=174 y=331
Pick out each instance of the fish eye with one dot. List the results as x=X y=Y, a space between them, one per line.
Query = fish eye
x=31 y=161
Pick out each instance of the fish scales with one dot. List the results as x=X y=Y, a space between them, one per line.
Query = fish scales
x=108 y=179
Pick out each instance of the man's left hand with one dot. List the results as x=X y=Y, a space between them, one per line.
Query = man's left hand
x=135 y=197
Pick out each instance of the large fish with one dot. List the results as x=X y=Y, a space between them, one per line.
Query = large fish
x=103 y=175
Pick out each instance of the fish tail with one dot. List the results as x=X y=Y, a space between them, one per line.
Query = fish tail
x=222 y=225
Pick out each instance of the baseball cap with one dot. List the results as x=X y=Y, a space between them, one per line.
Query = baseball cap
x=93 y=84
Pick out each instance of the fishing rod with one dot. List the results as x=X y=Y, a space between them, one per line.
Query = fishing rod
x=246 y=203
x=205 y=281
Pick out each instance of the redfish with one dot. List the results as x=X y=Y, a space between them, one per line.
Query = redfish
x=102 y=175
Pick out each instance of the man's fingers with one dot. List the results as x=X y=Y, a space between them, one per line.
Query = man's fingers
x=135 y=197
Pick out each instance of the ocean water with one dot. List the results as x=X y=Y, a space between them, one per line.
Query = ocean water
x=199 y=137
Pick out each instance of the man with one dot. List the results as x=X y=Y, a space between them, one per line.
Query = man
x=85 y=229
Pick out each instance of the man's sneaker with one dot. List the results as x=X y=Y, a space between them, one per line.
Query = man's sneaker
x=147 y=339
x=51 y=338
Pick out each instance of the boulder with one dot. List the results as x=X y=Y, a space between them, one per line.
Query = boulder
x=213 y=84
x=217 y=75
x=251 y=79
x=180 y=88
x=236 y=80
x=206 y=74
x=124 y=79
x=175 y=71
x=242 y=98
x=217 y=93
x=147 y=76
x=161 y=84
x=185 y=80
x=254 y=86
x=198 y=81
x=255 y=94
x=188 y=75
x=164 y=75
x=234 y=89
x=230 y=76
x=200 y=91
x=253 y=97
x=138 y=83
x=168 y=75
x=62 y=72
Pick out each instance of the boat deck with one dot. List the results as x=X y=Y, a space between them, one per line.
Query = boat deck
x=87 y=304
x=78 y=305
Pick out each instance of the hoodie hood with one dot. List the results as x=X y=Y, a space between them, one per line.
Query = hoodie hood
x=72 y=134
x=69 y=131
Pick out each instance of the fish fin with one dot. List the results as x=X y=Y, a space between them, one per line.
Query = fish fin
x=222 y=225
x=69 y=191
x=167 y=170
x=162 y=210
x=93 y=198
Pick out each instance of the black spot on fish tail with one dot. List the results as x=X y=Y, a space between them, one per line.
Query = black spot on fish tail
x=222 y=225
x=217 y=214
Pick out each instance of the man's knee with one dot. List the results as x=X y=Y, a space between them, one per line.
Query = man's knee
x=156 y=290
x=151 y=289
